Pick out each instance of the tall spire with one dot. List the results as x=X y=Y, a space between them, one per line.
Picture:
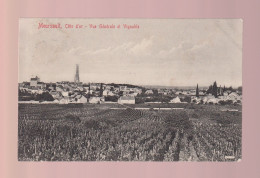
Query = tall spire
x=197 y=91
x=76 y=79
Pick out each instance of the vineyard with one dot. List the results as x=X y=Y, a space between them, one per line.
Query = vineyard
x=98 y=133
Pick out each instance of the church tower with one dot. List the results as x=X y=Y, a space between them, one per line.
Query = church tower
x=76 y=79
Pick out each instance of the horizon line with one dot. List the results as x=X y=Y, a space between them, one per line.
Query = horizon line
x=145 y=85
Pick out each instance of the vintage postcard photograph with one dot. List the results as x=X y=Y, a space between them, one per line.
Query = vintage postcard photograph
x=162 y=90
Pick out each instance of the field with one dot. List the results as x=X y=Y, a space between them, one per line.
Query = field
x=93 y=132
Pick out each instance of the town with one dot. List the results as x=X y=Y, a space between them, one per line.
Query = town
x=66 y=92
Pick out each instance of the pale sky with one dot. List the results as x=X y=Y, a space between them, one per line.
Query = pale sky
x=168 y=52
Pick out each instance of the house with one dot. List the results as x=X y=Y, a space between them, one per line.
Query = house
x=116 y=89
x=131 y=89
x=64 y=100
x=59 y=88
x=178 y=93
x=125 y=92
x=126 y=100
x=110 y=93
x=206 y=98
x=65 y=93
x=51 y=86
x=56 y=101
x=89 y=92
x=192 y=92
x=40 y=91
x=149 y=92
x=55 y=94
x=34 y=91
x=138 y=90
x=94 y=100
x=68 y=88
x=195 y=99
x=94 y=86
x=213 y=100
x=79 y=88
x=81 y=99
x=41 y=85
x=123 y=88
x=25 y=85
x=86 y=88
x=160 y=91
x=163 y=92
x=107 y=87
x=232 y=96
x=105 y=92
x=175 y=100
x=201 y=93
x=133 y=94
x=34 y=81
x=185 y=92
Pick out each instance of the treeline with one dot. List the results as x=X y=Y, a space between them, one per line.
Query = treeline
x=219 y=91
x=26 y=96
x=128 y=85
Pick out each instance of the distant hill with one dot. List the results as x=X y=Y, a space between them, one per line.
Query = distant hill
x=172 y=87
x=128 y=85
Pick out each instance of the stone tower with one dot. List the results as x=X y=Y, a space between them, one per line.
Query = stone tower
x=76 y=79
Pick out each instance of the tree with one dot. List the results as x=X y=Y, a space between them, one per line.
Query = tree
x=45 y=96
x=121 y=93
x=197 y=91
x=25 y=96
x=210 y=89
x=186 y=99
x=215 y=89
x=139 y=100
x=239 y=89
x=231 y=89
x=89 y=91
x=101 y=90
x=143 y=91
x=155 y=92
x=111 y=98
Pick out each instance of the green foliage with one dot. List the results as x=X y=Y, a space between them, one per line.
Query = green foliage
x=101 y=90
x=215 y=89
x=25 y=96
x=45 y=96
x=239 y=89
x=155 y=92
x=210 y=89
x=111 y=98
x=139 y=100
x=186 y=99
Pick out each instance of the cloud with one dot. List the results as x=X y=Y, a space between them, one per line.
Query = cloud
x=131 y=49
x=142 y=48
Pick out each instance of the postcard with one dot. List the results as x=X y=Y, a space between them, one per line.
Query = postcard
x=162 y=90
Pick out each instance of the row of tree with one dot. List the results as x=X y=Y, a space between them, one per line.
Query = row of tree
x=26 y=96
x=217 y=91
